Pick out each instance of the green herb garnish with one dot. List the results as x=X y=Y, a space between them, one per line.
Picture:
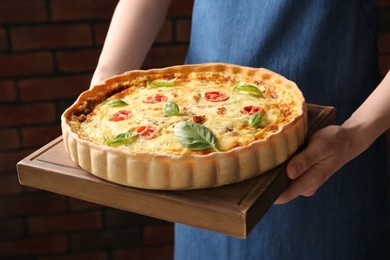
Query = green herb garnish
x=256 y=119
x=195 y=136
x=160 y=84
x=171 y=109
x=250 y=89
x=117 y=103
x=121 y=139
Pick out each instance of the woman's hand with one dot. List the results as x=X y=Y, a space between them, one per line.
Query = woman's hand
x=333 y=146
x=327 y=151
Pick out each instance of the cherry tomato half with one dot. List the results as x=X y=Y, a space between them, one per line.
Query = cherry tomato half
x=250 y=110
x=147 y=131
x=121 y=115
x=156 y=98
x=216 y=96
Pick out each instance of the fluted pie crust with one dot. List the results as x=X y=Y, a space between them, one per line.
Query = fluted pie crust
x=168 y=165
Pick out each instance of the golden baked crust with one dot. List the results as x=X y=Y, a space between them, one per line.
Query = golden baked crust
x=137 y=129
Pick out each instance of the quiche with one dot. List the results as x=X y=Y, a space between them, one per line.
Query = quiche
x=186 y=127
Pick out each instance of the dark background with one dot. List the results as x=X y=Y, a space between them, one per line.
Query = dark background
x=48 y=51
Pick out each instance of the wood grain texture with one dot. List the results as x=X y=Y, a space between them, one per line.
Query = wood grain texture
x=232 y=209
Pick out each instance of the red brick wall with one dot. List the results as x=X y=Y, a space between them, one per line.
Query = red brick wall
x=384 y=37
x=48 y=51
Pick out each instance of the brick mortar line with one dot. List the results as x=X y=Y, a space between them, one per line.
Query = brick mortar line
x=53 y=22
x=56 y=49
x=93 y=21
x=53 y=74
x=48 y=10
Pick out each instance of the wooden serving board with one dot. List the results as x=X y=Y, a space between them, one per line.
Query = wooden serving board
x=232 y=209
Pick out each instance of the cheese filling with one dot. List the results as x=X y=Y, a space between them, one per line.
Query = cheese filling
x=222 y=102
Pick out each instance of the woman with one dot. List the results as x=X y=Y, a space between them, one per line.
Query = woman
x=328 y=47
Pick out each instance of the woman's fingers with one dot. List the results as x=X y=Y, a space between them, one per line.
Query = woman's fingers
x=310 y=168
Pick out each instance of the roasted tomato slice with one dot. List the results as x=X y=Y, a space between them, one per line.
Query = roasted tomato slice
x=216 y=96
x=147 y=131
x=121 y=115
x=250 y=110
x=156 y=98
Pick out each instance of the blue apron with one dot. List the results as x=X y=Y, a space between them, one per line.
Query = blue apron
x=328 y=47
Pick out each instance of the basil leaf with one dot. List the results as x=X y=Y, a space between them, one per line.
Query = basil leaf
x=121 y=139
x=249 y=89
x=235 y=86
x=117 y=103
x=171 y=109
x=256 y=119
x=195 y=136
x=160 y=84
